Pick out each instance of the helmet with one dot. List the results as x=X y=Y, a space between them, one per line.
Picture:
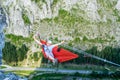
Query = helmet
x=49 y=41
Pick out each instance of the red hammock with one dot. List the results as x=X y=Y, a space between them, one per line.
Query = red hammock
x=61 y=55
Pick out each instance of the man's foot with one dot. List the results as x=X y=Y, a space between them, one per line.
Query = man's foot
x=55 y=61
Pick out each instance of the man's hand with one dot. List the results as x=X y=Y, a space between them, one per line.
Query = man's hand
x=38 y=35
x=34 y=36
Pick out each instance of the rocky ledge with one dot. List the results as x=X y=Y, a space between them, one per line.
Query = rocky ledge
x=10 y=76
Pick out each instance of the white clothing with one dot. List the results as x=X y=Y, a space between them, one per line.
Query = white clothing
x=48 y=51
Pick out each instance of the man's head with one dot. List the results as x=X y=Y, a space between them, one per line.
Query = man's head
x=49 y=42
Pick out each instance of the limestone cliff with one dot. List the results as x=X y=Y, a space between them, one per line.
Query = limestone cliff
x=86 y=23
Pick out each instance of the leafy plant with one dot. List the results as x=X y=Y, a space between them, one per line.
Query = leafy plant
x=35 y=56
x=36 y=1
x=26 y=19
x=18 y=40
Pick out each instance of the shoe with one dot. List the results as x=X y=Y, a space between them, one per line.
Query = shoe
x=55 y=61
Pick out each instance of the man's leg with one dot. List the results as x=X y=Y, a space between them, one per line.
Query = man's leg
x=55 y=61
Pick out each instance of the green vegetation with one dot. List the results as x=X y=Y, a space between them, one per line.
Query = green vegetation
x=80 y=24
x=112 y=52
x=85 y=38
x=54 y=2
x=36 y=1
x=95 y=40
x=18 y=40
x=39 y=75
x=58 y=76
x=16 y=48
x=36 y=56
x=107 y=4
x=49 y=76
x=22 y=52
x=106 y=74
x=86 y=59
x=26 y=19
x=2 y=67
x=12 y=54
x=70 y=20
x=77 y=39
x=43 y=1
x=66 y=19
x=47 y=20
x=19 y=53
x=116 y=13
x=108 y=7
x=22 y=72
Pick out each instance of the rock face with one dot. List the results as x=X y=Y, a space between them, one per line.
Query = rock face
x=118 y=5
x=93 y=21
x=37 y=11
x=2 y=26
x=10 y=76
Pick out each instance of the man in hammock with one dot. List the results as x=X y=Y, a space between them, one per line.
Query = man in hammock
x=47 y=48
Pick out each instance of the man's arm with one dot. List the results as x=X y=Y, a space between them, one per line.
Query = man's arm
x=34 y=37
x=58 y=43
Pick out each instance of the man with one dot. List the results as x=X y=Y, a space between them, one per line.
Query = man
x=47 y=48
